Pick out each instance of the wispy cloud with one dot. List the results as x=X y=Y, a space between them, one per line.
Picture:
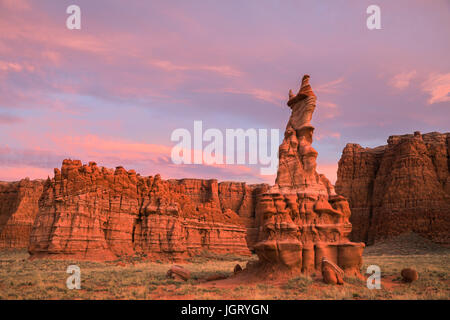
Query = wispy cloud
x=402 y=80
x=220 y=69
x=438 y=87
x=7 y=66
x=330 y=87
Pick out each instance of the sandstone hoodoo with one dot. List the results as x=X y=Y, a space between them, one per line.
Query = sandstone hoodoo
x=397 y=188
x=302 y=220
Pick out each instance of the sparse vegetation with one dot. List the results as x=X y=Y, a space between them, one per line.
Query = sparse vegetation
x=21 y=278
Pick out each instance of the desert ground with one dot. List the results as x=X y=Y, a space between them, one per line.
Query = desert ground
x=136 y=278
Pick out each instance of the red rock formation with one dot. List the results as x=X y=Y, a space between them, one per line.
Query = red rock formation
x=302 y=220
x=331 y=273
x=91 y=212
x=178 y=273
x=18 y=209
x=409 y=275
x=401 y=187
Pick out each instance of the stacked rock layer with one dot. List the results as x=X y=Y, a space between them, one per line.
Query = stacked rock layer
x=91 y=212
x=401 y=187
x=18 y=209
x=301 y=218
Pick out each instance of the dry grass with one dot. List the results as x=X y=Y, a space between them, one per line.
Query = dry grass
x=21 y=278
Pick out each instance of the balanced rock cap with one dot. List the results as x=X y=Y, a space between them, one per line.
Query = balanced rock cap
x=304 y=92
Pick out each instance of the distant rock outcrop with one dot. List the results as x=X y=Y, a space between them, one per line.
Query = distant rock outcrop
x=401 y=187
x=18 y=209
x=91 y=212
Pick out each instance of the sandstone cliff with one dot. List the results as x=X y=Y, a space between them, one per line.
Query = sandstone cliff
x=92 y=212
x=18 y=209
x=401 y=187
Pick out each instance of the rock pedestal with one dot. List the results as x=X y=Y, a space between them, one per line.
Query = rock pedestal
x=302 y=219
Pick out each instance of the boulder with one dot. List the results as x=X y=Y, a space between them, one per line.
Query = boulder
x=331 y=273
x=409 y=275
x=178 y=273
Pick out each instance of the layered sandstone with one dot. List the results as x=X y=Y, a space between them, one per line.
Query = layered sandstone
x=400 y=187
x=302 y=220
x=92 y=212
x=18 y=209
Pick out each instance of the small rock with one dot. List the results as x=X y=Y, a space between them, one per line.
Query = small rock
x=237 y=268
x=409 y=275
x=331 y=273
x=178 y=273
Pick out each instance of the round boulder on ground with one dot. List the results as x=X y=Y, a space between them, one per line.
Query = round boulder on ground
x=409 y=275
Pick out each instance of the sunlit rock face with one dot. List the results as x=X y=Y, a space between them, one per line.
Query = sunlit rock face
x=400 y=187
x=301 y=218
x=95 y=213
x=18 y=209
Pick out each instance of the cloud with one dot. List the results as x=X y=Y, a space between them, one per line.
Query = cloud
x=327 y=110
x=402 y=80
x=330 y=87
x=223 y=70
x=6 y=66
x=438 y=87
x=145 y=158
x=324 y=134
x=258 y=94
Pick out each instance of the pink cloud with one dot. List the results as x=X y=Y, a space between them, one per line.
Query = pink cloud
x=331 y=87
x=92 y=145
x=169 y=66
x=326 y=110
x=402 y=80
x=438 y=87
x=323 y=133
x=15 y=67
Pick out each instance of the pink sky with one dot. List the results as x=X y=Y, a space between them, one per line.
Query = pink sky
x=114 y=91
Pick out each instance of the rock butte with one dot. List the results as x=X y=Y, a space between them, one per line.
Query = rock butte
x=95 y=213
x=401 y=187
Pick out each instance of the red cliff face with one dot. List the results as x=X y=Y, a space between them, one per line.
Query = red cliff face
x=401 y=187
x=91 y=212
x=18 y=209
